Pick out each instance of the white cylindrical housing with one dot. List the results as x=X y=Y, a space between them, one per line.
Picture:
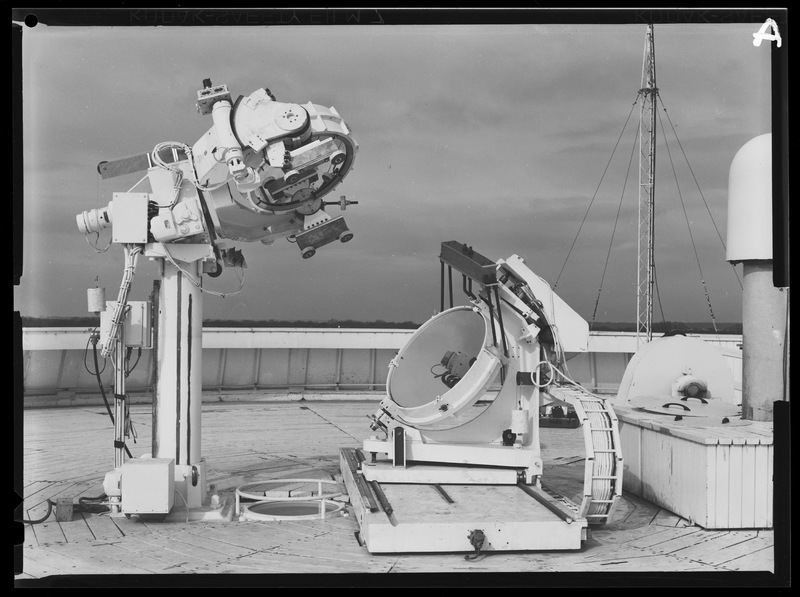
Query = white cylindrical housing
x=750 y=202
x=94 y=220
x=221 y=114
x=96 y=299
x=226 y=140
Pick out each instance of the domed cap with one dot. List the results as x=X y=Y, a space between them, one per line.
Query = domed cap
x=750 y=202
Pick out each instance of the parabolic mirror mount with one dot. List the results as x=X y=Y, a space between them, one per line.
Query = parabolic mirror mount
x=461 y=416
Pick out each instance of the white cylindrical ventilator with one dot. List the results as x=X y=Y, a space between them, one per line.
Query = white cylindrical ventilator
x=764 y=307
x=96 y=299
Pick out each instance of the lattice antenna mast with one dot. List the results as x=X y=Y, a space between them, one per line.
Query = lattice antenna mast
x=647 y=169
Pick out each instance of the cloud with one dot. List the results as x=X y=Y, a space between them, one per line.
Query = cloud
x=496 y=136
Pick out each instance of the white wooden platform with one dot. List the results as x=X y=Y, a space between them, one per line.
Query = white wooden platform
x=716 y=475
x=411 y=517
x=67 y=451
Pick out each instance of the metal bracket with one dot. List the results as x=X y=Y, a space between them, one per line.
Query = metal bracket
x=477 y=538
x=399 y=454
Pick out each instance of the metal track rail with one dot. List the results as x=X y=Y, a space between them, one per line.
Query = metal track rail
x=602 y=484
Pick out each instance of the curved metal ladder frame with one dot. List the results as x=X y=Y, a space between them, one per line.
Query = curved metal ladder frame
x=601 y=488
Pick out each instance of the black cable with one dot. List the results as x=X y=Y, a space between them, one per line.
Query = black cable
x=488 y=301
x=138 y=357
x=691 y=238
x=658 y=296
x=466 y=290
x=500 y=319
x=86 y=350
x=613 y=233
x=438 y=375
x=100 y=383
x=441 y=287
x=79 y=507
x=103 y=393
x=90 y=508
x=697 y=184
x=450 y=282
x=43 y=518
x=605 y=171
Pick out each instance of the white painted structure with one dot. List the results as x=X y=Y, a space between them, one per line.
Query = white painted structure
x=717 y=476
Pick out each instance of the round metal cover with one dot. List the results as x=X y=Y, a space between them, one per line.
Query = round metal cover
x=654 y=368
x=270 y=511
x=291 y=117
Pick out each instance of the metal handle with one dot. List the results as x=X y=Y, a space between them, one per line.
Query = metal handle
x=683 y=406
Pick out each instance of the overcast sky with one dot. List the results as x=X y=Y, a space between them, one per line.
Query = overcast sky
x=493 y=135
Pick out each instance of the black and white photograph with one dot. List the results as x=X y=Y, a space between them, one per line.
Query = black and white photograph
x=430 y=297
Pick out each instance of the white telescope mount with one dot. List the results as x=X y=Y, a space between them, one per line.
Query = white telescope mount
x=464 y=395
x=260 y=173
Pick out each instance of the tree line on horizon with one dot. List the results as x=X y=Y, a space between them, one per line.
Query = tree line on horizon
x=671 y=327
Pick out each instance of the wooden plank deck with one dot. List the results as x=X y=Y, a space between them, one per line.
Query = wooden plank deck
x=67 y=452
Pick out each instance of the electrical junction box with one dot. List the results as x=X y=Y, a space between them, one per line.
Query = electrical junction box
x=138 y=323
x=129 y=218
x=148 y=486
x=208 y=96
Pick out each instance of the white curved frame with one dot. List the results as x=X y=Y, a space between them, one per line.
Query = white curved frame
x=248 y=514
x=460 y=396
x=242 y=493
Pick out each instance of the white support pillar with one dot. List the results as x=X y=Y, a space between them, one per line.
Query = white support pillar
x=178 y=409
x=763 y=341
x=764 y=306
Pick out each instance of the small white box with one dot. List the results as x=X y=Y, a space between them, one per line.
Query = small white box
x=148 y=486
x=129 y=222
x=138 y=323
x=138 y=326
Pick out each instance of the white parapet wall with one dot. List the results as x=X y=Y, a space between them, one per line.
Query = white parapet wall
x=279 y=363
